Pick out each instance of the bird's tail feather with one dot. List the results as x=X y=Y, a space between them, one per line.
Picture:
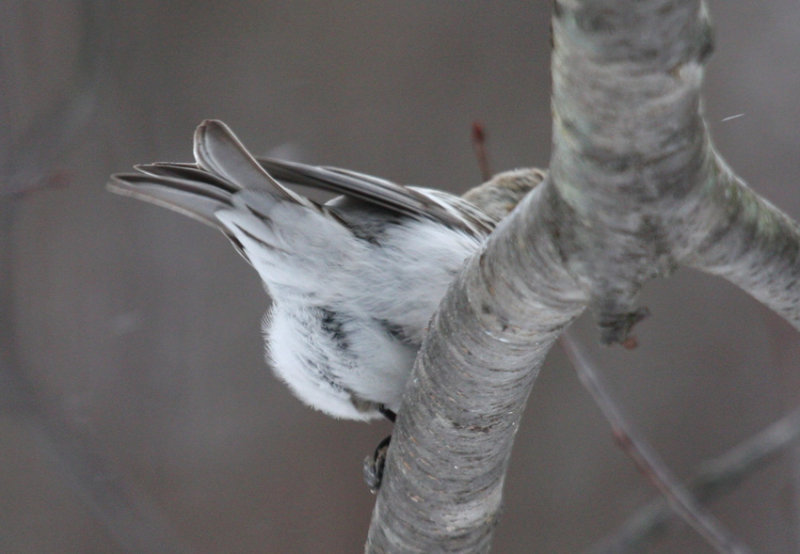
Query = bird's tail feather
x=189 y=197
x=223 y=172
x=218 y=151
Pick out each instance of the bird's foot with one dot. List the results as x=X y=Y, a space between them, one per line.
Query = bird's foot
x=373 y=465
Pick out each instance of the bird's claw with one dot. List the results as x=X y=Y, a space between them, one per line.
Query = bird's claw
x=374 y=465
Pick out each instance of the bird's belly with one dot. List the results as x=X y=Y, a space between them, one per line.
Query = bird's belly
x=335 y=362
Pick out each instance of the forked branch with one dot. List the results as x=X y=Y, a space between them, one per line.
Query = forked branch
x=634 y=190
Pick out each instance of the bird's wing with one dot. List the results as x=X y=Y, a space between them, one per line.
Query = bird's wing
x=445 y=208
x=228 y=190
x=226 y=178
x=224 y=167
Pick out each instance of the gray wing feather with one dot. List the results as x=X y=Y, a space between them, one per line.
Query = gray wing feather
x=380 y=192
x=224 y=168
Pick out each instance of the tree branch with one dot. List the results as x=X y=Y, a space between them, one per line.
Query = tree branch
x=134 y=522
x=629 y=143
x=445 y=468
x=634 y=189
x=681 y=500
x=712 y=479
x=734 y=233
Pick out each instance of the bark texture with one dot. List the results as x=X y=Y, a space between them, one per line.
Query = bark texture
x=442 y=489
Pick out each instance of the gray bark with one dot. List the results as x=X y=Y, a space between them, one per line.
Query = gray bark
x=635 y=189
x=451 y=445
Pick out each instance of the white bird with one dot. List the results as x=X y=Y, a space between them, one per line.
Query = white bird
x=353 y=281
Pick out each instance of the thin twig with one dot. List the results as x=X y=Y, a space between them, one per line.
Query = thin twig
x=481 y=152
x=648 y=461
x=55 y=180
x=712 y=479
x=29 y=161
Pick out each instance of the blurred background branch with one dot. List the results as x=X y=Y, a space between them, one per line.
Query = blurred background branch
x=712 y=479
x=679 y=498
x=33 y=150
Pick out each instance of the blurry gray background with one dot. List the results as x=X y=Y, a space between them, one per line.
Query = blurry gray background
x=136 y=410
